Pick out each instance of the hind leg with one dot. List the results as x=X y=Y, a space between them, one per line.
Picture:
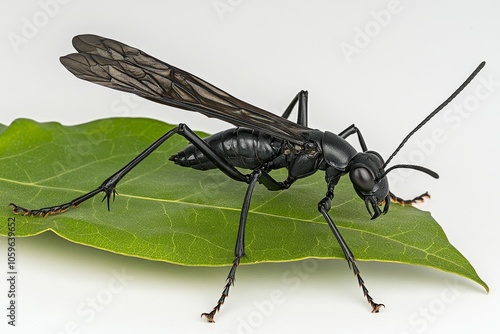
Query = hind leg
x=109 y=185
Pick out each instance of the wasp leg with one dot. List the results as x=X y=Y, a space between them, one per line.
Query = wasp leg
x=352 y=129
x=239 y=250
x=324 y=206
x=301 y=97
x=418 y=199
x=109 y=185
x=57 y=208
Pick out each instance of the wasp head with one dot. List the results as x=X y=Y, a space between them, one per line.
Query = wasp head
x=370 y=183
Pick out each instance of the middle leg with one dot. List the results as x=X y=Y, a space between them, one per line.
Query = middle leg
x=239 y=250
x=301 y=98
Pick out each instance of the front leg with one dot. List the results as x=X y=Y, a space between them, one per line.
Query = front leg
x=324 y=206
x=403 y=202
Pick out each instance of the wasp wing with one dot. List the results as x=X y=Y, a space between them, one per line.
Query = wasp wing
x=113 y=64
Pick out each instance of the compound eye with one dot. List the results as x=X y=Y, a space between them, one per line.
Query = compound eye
x=362 y=179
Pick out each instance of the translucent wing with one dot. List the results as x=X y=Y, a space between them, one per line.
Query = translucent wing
x=113 y=64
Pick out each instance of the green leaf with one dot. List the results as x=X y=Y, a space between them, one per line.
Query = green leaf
x=180 y=215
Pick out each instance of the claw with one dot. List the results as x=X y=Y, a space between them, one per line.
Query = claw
x=371 y=201
x=367 y=204
x=387 y=203
x=19 y=210
x=107 y=196
x=377 y=210
x=376 y=307
x=209 y=316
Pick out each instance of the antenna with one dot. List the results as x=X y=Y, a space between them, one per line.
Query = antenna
x=432 y=114
x=419 y=168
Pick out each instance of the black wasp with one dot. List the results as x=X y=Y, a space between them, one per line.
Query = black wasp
x=262 y=141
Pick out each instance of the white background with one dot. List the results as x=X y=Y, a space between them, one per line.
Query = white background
x=409 y=56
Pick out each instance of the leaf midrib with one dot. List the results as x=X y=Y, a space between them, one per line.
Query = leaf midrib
x=179 y=201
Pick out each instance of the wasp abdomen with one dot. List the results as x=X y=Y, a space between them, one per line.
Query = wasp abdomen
x=241 y=147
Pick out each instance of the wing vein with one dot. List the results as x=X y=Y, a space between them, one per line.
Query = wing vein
x=116 y=65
